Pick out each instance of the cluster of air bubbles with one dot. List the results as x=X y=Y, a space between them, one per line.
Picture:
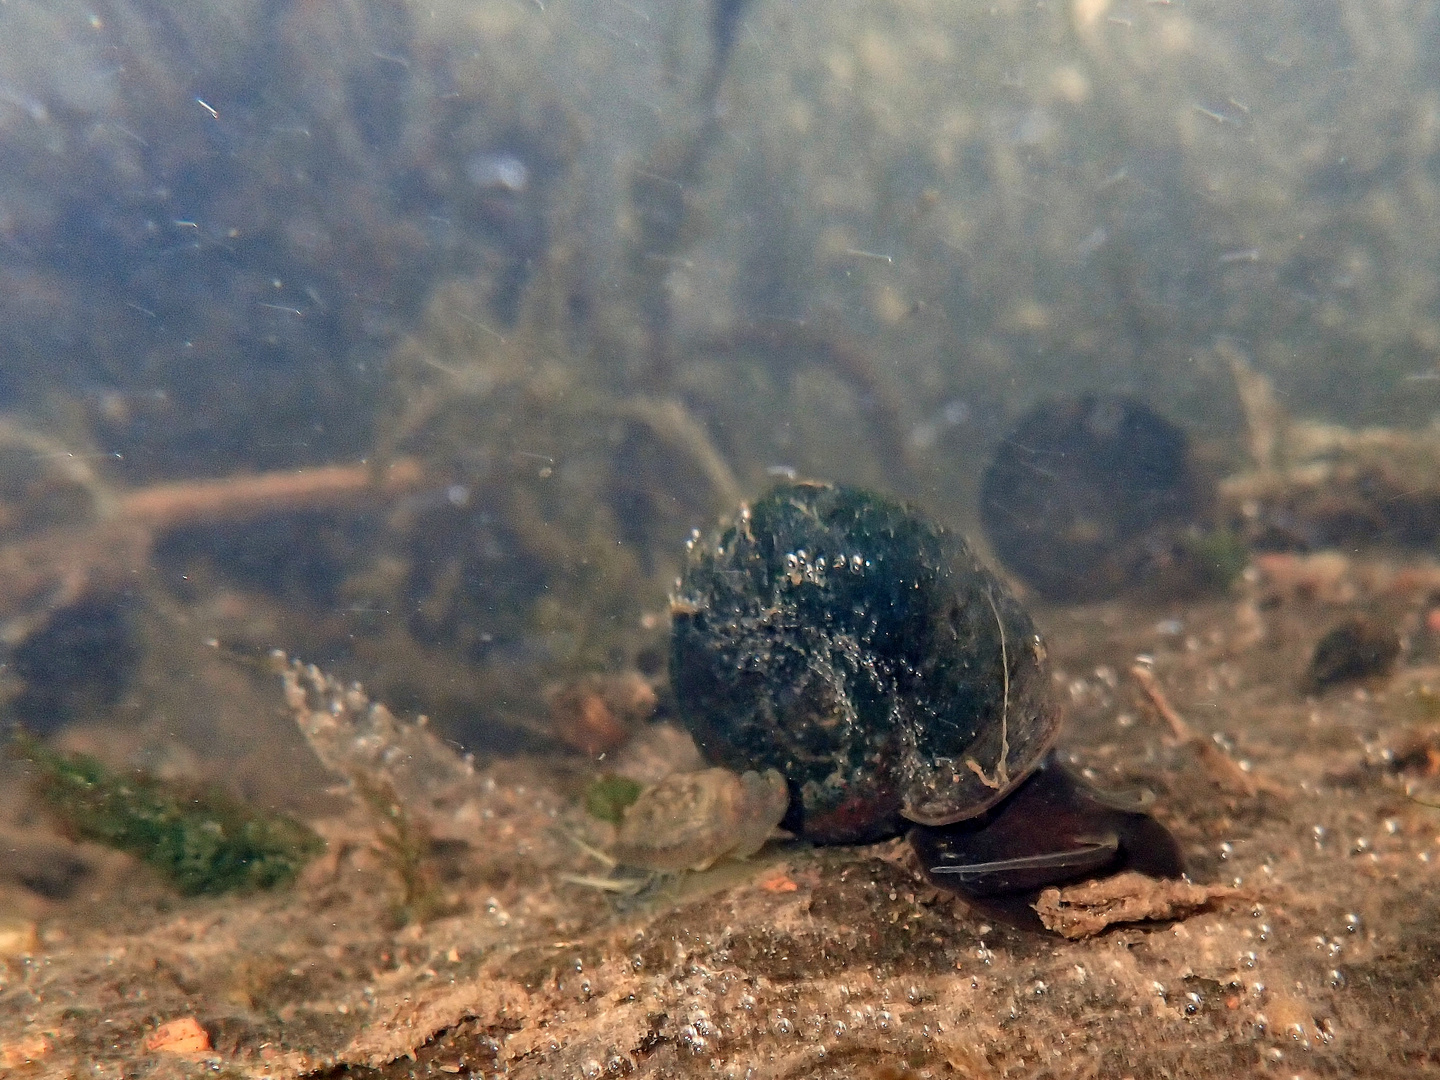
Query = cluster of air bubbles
x=1329 y=947
x=697 y=1033
x=496 y=911
x=800 y=566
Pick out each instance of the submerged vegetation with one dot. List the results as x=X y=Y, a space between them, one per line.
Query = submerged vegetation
x=203 y=842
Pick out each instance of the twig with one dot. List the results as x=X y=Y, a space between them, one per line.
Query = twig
x=52 y=568
x=235 y=498
x=1223 y=770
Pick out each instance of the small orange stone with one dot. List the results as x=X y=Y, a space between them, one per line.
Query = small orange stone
x=184 y=1036
x=778 y=881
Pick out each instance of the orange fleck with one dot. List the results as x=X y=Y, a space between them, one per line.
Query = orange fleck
x=1432 y=620
x=184 y=1036
x=778 y=881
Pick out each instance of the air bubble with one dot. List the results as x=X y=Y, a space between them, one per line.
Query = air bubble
x=498 y=172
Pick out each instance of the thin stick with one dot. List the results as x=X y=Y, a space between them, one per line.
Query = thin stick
x=1223 y=770
x=234 y=498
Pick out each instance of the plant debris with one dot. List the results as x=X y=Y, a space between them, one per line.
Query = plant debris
x=1081 y=911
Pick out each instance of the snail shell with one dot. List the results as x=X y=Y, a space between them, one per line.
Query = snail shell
x=689 y=820
x=863 y=652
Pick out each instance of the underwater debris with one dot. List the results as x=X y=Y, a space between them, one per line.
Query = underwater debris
x=1321 y=485
x=1222 y=770
x=1081 y=911
x=353 y=736
x=51 y=567
x=184 y=1036
x=205 y=843
x=598 y=711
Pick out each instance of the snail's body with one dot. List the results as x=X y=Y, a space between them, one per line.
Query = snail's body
x=867 y=655
x=1054 y=829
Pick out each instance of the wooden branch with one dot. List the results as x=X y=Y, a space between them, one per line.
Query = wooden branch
x=45 y=571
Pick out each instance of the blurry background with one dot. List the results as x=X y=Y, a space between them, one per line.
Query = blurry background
x=567 y=279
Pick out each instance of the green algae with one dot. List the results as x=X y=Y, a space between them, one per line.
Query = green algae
x=607 y=798
x=203 y=842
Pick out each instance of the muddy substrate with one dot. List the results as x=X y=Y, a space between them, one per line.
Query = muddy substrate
x=807 y=962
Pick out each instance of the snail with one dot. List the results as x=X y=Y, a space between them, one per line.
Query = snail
x=1089 y=496
x=690 y=820
x=866 y=655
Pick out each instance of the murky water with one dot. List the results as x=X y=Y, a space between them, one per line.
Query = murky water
x=417 y=339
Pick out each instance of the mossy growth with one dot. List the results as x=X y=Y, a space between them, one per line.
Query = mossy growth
x=1217 y=558
x=608 y=797
x=204 y=842
x=408 y=848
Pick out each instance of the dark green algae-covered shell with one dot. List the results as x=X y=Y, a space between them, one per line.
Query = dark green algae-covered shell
x=865 y=653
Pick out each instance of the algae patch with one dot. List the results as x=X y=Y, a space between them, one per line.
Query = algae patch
x=203 y=841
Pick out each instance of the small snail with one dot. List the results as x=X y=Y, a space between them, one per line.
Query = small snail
x=866 y=655
x=687 y=821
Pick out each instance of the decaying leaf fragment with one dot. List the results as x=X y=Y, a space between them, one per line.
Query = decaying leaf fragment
x=1081 y=911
